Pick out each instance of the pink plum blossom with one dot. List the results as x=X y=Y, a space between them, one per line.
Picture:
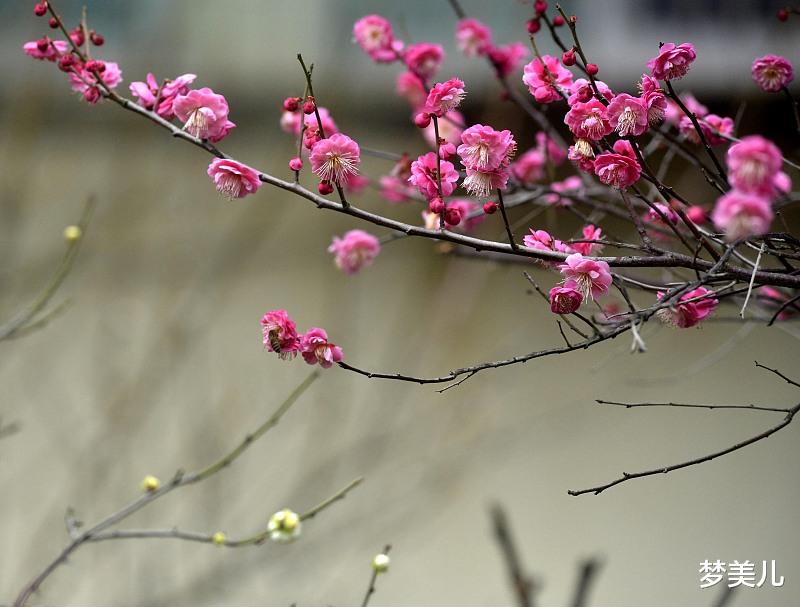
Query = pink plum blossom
x=753 y=163
x=713 y=127
x=619 y=169
x=547 y=79
x=772 y=73
x=233 y=179
x=423 y=176
x=507 y=58
x=565 y=299
x=85 y=82
x=589 y=277
x=482 y=183
x=543 y=241
x=590 y=232
x=581 y=91
x=529 y=167
x=204 y=113
x=444 y=97
x=628 y=115
x=424 y=58
x=486 y=149
x=148 y=92
x=742 y=215
x=473 y=37
x=582 y=154
x=588 y=120
x=375 y=36
x=687 y=313
x=280 y=334
x=335 y=158
x=673 y=61
x=355 y=250
x=394 y=189
x=653 y=98
x=53 y=49
x=666 y=212
x=316 y=348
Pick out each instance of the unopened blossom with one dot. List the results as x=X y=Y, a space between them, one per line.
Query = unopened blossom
x=375 y=36
x=409 y=85
x=753 y=163
x=561 y=189
x=565 y=299
x=620 y=168
x=589 y=277
x=742 y=215
x=336 y=158
x=280 y=334
x=715 y=129
x=203 y=112
x=673 y=61
x=424 y=172
x=85 y=82
x=697 y=214
x=424 y=58
x=468 y=212
x=529 y=167
x=473 y=37
x=507 y=58
x=444 y=97
x=482 y=183
x=772 y=73
x=355 y=250
x=380 y=564
x=590 y=232
x=450 y=129
x=486 y=149
x=547 y=79
x=292 y=122
x=284 y=526
x=45 y=49
x=628 y=115
x=588 y=120
x=316 y=349
x=653 y=98
x=690 y=309
x=233 y=179
x=581 y=91
x=150 y=91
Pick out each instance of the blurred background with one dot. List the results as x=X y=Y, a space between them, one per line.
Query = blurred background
x=158 y=364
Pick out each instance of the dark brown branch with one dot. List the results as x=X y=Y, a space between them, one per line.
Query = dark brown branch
x=587 y=574
x=693 y=406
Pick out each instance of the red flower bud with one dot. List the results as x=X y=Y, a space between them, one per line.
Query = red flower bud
x=325 y=188
x=534 y=25
x=592 y=69
x=490 y=207
x=53 y=23
x=452 y=216
x=97 y=39
x=558 y=21
x=42 y=44
x=290 y=104
x=309 y=106
x=436 y=205
x=783 y=15
x=568 y=57
x=540 y=6
x=65 y=62
x=40 y=10
x=422 y=120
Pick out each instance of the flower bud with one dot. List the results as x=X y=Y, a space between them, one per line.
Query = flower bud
x=325 y=188
x=97 y=39
x=53 y=23
x=592 y=69
x=40 y=9
x=150 y=484
x=436 y=205
x=381 y=563
x=290 y=104
x=309 y=106
x=568 y=57
x=558 y=21
x=218 y=539
x=422 y=120
x=284 y=526
x=533 y=25
x=783 y=15
x=72 y=233
x=452 y=216
x=490 y=208
x=296 y=163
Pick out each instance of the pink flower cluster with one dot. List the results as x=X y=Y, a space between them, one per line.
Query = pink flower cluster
x=546 y=79
x=529 y=167
x=584 y=280
x=754 y=166
x=355 y=250
x=690 y=310
x=673 y=61
x=619 y=169
x=486 y=154
x=280 y=336
x=425 y=175
x=151 y=92
x=474 y=39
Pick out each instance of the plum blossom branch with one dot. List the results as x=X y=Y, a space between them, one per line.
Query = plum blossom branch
x=521 y=583
x=789 y=412
x=154 y=491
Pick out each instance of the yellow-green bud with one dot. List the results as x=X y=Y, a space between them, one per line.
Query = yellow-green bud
x=218 y=539
x=381 y=563
x=150 y=483
x=72 y=233
x=284 y=526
